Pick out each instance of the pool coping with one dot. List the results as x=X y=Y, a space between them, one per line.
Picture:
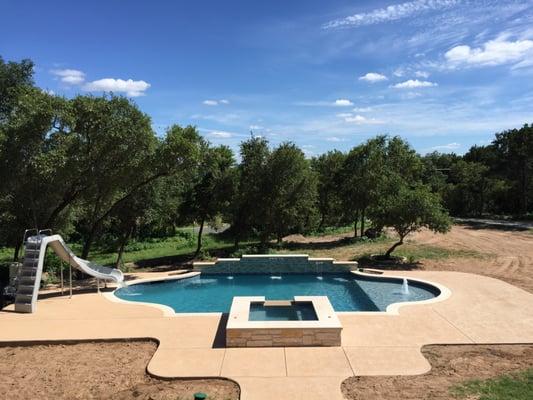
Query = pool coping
x=392 y=309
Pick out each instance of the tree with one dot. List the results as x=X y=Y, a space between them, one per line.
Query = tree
x=115 y=182
x=14 y=78
x=328 y=168
x=409 y=209
x=30 y=162
x=247 y=205
x=289 y=190
x=213 y=190
x=515 y=154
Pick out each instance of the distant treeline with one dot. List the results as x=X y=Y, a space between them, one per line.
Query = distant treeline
x=94 y=169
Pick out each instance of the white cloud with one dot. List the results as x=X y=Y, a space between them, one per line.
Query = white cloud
x=493 y=52
x=362 y=109
x=344 y=115
x=414 y=83
x=360 y=120
x=343 y=103
x=399 y=72
x=256 y=127
x=69 y=76
x=390 y=13
x=334 y=139
x=221 y=134
x=449 y=146
x=130 y=87
x=211 y=102
x=373 y=77
x=422 y=74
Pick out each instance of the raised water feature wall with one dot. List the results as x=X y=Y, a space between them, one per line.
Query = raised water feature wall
x=275 y=264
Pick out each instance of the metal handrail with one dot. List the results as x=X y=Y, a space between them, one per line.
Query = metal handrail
x=26 y=232
x=45 y=230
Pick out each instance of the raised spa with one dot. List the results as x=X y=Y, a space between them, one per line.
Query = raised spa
x=214 y=292
x=282 y=311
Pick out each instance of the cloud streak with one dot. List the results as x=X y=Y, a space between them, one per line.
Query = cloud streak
x=390 y=13
x=69 y=76
x=414 y=84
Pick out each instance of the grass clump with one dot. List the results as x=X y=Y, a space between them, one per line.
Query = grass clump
x=516 y=386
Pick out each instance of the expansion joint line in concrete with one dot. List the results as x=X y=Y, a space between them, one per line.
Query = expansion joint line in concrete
x=348 y=359
x=455 y=326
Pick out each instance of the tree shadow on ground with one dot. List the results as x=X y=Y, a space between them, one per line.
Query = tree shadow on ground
x=477 y=225
x=181 y=261
x=325 y=245
x=393 y=264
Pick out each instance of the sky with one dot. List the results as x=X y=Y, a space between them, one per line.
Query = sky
x=443 y=74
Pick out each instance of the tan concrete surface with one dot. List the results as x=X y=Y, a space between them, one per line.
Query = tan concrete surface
x=480 y=310
x=258 y=362
x=317 y=361
x=387 y=360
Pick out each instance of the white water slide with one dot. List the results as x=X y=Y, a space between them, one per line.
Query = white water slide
x=29 y=278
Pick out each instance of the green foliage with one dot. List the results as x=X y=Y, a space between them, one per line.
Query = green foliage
x=409 y=209
x=212 y=189
x=516 y=386
x=93 y=169
x=328 y=169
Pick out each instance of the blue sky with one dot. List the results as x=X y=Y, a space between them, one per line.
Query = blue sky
x=444 y=74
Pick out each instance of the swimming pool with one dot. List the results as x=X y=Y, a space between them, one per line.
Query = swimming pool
x=214 y=293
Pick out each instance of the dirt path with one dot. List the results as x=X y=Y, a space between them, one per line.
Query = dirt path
x=509 y=253
x=104 y=370
x=451 y=365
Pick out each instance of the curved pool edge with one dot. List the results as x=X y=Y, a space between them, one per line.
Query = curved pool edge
x=392 y=309
x=166 y=310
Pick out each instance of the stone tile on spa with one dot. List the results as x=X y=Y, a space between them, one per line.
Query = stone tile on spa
x=389 y=360
x=254 y=362
x=317 y=361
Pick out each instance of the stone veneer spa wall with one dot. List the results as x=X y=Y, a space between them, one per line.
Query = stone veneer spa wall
x=275 y=264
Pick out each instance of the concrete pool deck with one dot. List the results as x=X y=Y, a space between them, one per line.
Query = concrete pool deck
x=480 y=310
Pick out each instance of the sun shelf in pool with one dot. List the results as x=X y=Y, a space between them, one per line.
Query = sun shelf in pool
x=214 y=293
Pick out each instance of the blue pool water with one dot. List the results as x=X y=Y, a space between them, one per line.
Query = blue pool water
x=303 y=311
x=214 y=293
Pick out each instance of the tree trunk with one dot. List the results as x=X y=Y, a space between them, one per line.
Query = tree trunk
x=389 y=251
x=200 y=230
x=16 y=252
x=123 y=243
x=362 y=222
x=88 y=243
x=356 y=219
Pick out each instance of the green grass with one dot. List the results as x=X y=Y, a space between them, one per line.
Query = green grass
x=183 y=245
x=517 y=386
x=332 y=230
x=420 y=252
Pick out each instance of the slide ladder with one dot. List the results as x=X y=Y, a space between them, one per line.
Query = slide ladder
x=29 y=278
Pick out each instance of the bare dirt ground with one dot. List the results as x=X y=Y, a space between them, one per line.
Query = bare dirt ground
x=509 y=253
x=451 y=365
x=96 y=370
x=503 y=254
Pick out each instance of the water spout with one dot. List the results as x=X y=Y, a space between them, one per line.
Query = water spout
x=405 y=286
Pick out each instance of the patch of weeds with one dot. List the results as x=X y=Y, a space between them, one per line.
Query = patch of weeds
x=516 y=386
